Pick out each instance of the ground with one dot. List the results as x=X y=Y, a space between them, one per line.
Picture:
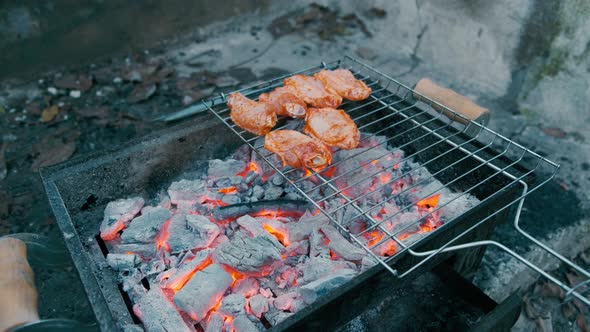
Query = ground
x=71 y=112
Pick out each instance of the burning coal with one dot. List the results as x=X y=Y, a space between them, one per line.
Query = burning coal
x=238 y=249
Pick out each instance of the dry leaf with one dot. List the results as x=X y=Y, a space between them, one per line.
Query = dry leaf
x=549 y=289
x=581 y=321
x=53 y=155
x=49 y=114
x=554 y=132
x=74 y=82
x=141 y=92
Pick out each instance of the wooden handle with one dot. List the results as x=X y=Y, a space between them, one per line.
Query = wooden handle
x=18 y=295
x=452 y=100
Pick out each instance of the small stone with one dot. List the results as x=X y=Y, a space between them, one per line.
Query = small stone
x=117 y=80
x=52 y=90
x=75 y=93
x=277 y=180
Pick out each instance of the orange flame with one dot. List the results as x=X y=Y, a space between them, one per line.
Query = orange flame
x=330 y=171
x=374 y=162
x=252 y=166
x=307 y=173
x=374 y=237
x=178 y=283
x=280 y=235
x=162 y=237
x=429 y=202
x=228 y=190
x=385 y=177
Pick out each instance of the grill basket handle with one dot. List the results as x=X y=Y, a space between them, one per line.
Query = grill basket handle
x=453 y=102
x=18 y=294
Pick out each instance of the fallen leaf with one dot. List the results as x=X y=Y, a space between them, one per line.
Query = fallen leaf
x=141 y=92
x=377 y=12
x=564 y=186
x=101 y=112
x=74 y=82
x=53 y=155
x=49 y=113
x=569 y=311
x=554 y=132
x=3 y=167
x=549 y=289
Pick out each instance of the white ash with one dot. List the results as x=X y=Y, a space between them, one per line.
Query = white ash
x=233 y=305
x=191 y=232
x=248 y=254
x=215 y=323
x=185 y=193
x=158 y=314
x=224 y=168
x=246 y=287
x=117 y=215
x=142 y=249
x=143 y=229
x=318 y=267
x=123 y=262
x=258 y=305
x=178 y=274
x=341 y=246
x=203 y=291
x=243 y=324
x=284 y=302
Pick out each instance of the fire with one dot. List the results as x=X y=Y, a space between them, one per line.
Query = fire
x=162 y=237
x=374 y=162
x=275 y=213
x=228 y=190
x=177 y=284
x=385 y=178
x=307 y=173
x=281 y=236
x=252 y=166
x=214 y=202
x=235 y=274
x=429 y=202
x=374 y=237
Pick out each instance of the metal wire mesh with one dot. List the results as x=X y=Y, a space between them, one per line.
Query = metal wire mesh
x=463 y=155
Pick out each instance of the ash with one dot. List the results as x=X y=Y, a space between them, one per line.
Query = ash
x=239 y=249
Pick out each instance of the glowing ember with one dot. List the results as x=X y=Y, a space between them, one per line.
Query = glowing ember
x=307 y=173
x=162 y=237
x=180 y=281
x=374 y=237
x=228 y=190
x=252 y=166
x=281 y=236
x=429 y=202
x=330 y=171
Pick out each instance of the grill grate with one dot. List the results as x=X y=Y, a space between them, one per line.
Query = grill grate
x=432 y=138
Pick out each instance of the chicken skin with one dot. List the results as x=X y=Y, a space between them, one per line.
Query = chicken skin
x=344 y=84
x=283 y=102
x=257 y=118
x=297 y=150
x=312 y=91
x=333 y=127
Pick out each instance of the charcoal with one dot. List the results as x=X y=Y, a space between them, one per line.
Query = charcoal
x=320 y=287
x=243 y=324
x=117 y=215
x=298 y=248
x=233 y=305
x=231 y=199
x=272 y=192
x=158 y=314
x=177 y=277
x=341 y=246
x=318 y=267
x=238 y=210
x=301 y=229
x=123 y=262
x=203 y=291
x=236 y=180
x=255 y=227
x=368 y=262
x=258 y=305
x=251 y=177
x=186 y=193
x=191 y=232
x=246 y=287
x=266 y=292
x=144 y=228
x=142 y=249
x=285 y=301
x=257 y=192
x=275 y=317
x=248 y=254
x=293 y=196
x=277 y=180
x=316 y=245
x=223 y=183
x=221 y=168
x=215 y=323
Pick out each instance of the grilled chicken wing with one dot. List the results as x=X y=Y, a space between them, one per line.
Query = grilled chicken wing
x=312 y=91
x=284 y=102
x=257 y=118
x=344 y=84
x=297 y=150
x=333 y=127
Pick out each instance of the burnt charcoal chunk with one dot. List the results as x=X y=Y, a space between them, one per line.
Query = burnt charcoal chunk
x=233 y=305
x=243 y=324
x=203 y=291
x=246 y=287
x=215 y=323
x=186 y=192
x=117 y=215
x=248 y=254
x=144 y=228
x=318 y=288
x=158 y=314
x=191 y=232
x=223 y=168
x=258 y=305
x=123 y=262
x=341 y=246
x=176 y=277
